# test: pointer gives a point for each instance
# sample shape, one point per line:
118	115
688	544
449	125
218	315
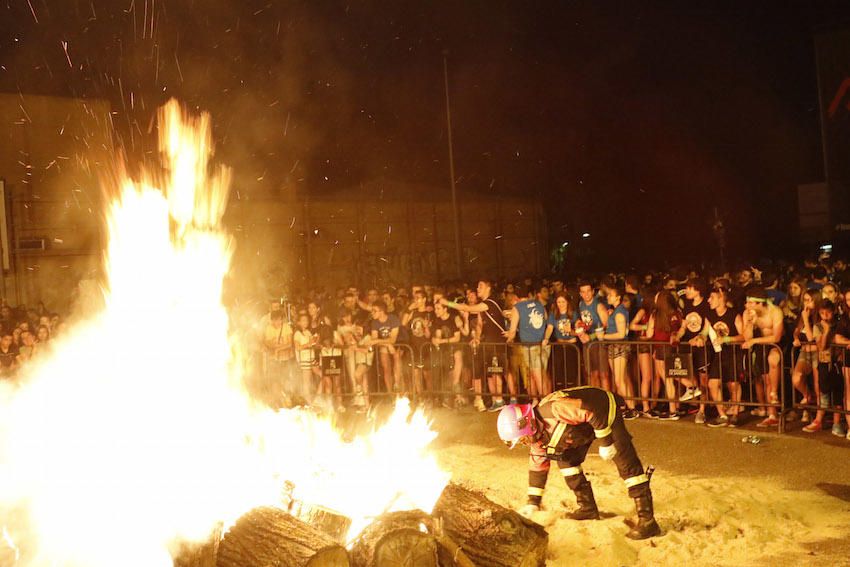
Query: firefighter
561	428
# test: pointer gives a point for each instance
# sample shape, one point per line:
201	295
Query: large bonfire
134	433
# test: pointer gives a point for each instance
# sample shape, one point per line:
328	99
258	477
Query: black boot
586	503
646	526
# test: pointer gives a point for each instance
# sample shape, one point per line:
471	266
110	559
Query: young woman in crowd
663	323
618	354
650	381
827	377
305	353
793	303
842	337
559	331
807	356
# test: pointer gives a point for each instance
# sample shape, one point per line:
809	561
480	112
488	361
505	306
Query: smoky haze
621	120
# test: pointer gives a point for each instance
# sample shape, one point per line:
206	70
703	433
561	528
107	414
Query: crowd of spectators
489	343
25	334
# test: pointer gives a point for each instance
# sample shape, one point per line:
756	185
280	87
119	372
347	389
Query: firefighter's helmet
515	422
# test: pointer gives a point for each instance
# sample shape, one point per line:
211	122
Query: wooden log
488	534
396	539
325	520
269	537
198	554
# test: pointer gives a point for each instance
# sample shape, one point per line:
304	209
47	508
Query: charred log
325	520
397	539
269	537
490	535
197	554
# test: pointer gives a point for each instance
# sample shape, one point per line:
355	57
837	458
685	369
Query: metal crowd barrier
599	359
445	373
839	365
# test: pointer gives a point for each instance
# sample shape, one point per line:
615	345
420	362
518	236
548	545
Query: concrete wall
342	240
52	152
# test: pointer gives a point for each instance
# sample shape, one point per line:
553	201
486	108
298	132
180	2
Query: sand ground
719	501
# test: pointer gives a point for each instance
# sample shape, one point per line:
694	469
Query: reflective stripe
551	447
612	415
534	491
635	480
571	471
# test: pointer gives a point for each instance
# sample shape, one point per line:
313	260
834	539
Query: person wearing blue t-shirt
559	330
618	354
592	316
528	318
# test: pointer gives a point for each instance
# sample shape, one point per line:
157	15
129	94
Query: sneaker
497	405
667	416
760	412
733	420
791	416
719	421
479	405
514	401
848	436
813	427
838	430
769	421
700	418
690	394
806	417
631	414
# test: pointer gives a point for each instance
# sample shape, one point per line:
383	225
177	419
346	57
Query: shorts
660	352
809	358
491	360
596	357
534	357
702	358
758	359
726	365
421	353
618	351
644	349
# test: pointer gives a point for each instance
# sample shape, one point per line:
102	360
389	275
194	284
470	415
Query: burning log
323	519
269	537
198	554
397	538
488	534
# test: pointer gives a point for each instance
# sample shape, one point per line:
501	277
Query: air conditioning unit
31	244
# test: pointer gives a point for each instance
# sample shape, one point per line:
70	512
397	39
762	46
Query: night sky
631	120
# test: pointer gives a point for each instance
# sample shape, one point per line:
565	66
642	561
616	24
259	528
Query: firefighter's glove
528	510
608	453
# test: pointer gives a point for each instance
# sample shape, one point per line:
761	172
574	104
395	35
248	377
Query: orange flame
135	433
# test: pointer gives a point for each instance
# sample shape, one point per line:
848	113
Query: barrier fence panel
645	373
821	383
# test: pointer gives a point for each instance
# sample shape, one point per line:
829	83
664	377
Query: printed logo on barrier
839	97
678	365
495	367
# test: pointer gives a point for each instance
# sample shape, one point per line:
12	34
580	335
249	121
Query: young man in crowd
762	330
592	317
528	319
723	327
418	319
385	331
695	313
447	356
278	346
492	331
